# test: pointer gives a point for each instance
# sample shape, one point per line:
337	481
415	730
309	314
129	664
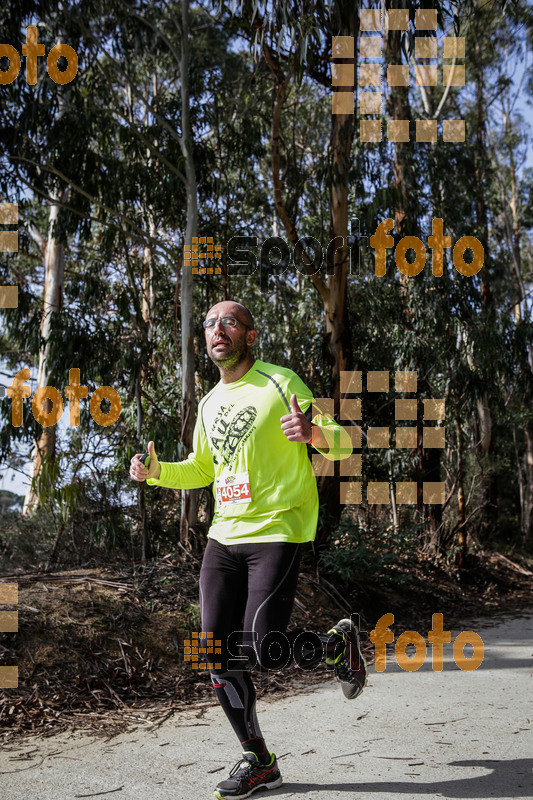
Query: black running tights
246	597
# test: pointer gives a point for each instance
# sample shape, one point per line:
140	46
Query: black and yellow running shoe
350	665
247	776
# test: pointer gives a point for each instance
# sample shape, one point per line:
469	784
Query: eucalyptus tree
38	122
508	139
127	158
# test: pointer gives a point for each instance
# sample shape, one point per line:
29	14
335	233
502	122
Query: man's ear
251	336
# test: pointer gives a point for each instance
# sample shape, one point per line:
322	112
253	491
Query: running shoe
350	666
247	776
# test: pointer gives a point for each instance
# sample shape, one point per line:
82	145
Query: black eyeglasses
226	322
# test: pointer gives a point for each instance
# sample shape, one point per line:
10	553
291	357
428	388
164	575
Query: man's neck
236	373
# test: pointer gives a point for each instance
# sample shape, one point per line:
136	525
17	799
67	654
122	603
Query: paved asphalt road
411	735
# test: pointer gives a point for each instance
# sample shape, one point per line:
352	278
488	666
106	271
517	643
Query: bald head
231	308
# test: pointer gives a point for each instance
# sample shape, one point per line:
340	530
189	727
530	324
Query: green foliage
354	551
193	616
61	501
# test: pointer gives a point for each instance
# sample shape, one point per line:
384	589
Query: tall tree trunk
337	335
141	498
147	308
406	216
399	109
188	404
527	530
333	291
486	439
52	303
462	533
514	235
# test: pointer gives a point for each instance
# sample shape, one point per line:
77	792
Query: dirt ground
101	650
415	735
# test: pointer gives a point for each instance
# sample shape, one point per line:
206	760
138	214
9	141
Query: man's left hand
295	425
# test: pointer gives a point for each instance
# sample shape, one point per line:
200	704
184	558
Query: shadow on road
506	779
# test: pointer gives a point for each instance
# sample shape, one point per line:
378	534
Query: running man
250	440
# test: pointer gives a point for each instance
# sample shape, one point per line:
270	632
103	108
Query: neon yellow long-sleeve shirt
265	489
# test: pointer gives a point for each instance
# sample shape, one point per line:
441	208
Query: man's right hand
138	472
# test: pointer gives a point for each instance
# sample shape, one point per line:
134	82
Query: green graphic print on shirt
238	431
230	431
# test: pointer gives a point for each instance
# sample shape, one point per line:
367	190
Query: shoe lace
239	771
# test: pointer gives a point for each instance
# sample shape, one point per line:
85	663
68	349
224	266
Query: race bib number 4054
233	488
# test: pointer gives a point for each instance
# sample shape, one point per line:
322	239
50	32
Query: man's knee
271	653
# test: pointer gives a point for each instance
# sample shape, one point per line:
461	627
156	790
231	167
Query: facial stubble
239	353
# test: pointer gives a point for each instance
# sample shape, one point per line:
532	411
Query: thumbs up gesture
150	469
295	425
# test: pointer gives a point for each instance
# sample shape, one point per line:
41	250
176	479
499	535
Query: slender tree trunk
399	109
515	237
188	404
486	439
147	307
462	534
52	303
406	216
527	536
53	255
146	550
394	508
337	334
526	493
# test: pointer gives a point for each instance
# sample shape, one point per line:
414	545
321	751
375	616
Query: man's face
226	346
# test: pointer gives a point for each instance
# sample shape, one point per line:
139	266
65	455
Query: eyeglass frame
217	319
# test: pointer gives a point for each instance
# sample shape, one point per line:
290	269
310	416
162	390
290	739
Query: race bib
233	488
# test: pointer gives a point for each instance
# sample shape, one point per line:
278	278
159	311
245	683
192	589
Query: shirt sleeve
196	471
338	439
